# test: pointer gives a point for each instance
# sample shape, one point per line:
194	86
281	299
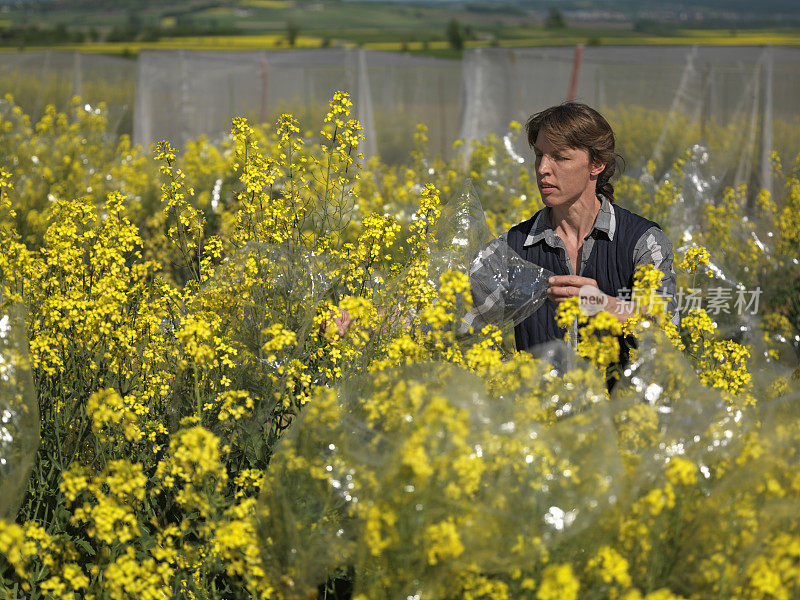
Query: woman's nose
543	165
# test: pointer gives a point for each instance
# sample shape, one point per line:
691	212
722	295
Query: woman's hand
341	323
563	287
593	299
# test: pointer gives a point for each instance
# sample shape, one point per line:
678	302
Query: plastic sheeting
260	282
370	475
505	288
19	413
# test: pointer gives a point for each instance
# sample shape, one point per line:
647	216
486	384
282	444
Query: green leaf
85	546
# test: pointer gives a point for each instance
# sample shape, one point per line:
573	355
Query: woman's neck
575	221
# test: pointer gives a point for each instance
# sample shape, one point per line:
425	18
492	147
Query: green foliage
292	31
455	35
554	20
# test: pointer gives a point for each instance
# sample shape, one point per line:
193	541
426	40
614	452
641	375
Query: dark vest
610	264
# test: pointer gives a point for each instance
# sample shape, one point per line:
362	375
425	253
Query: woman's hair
576	125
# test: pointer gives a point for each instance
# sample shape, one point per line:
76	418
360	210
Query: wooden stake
577	59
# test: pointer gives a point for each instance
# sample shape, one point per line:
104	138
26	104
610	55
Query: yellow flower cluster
278	338
721	363
20	545
558	582
108	410
195	460
693	258
234	404
598	335
108	511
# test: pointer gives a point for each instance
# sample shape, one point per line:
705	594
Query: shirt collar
605	222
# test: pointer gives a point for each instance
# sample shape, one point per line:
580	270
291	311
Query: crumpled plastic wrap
506	288
411	473
19	412
683	417
260	283
408	476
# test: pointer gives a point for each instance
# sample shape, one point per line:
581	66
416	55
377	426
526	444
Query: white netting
661	100
37	79
184	94
674	97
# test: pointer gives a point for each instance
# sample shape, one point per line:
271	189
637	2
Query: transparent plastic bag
669	413
19	412
506	288
409	475
262	283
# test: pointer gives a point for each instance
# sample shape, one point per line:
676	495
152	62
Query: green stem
197	391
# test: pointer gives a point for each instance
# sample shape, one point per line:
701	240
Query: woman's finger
560	291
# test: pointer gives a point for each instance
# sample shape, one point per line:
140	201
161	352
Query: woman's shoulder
630	218
519	233
525	226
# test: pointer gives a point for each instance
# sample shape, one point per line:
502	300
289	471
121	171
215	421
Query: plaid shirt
501	294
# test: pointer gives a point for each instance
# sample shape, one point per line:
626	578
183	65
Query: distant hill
762	9
668	10
437	27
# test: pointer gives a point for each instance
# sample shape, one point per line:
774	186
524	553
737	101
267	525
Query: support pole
77	79
264	89
364	106
766	123
442	116
705	89
577	59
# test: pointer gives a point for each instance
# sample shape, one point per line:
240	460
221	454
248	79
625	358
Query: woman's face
564	175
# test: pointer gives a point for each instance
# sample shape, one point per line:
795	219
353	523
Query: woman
591	245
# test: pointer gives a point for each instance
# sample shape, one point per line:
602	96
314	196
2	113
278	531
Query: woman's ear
597	168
